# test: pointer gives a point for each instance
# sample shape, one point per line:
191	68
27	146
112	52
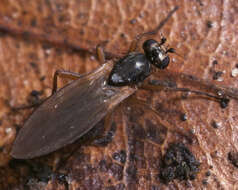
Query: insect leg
109	130
64	74
222	100
134	43
22	107
58	73
100	54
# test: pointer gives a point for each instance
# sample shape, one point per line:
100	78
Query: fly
76	108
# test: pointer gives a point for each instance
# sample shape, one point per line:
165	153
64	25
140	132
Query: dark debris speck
224	102
215	62
33	22
183	117
209	24
62	178
35	93
122	35
133	21
233	158
42	78
200	2
178	163
120	156
204	182
208	173
217	75
33	64
46	46
214	124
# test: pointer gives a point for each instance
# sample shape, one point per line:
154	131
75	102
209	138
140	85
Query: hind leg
223	101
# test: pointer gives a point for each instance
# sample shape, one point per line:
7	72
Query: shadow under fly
75	109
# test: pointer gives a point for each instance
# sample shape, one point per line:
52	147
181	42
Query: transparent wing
69	114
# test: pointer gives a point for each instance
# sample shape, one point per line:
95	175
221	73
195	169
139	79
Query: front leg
75	76
136	40
64	74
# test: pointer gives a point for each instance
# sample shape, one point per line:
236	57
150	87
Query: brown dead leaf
38	37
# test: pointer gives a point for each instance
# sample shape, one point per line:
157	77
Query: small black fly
86	101
75	109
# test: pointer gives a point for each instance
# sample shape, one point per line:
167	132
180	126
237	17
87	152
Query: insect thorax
131	69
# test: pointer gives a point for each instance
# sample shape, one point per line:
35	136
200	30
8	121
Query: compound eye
165	62
162	64
148	45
